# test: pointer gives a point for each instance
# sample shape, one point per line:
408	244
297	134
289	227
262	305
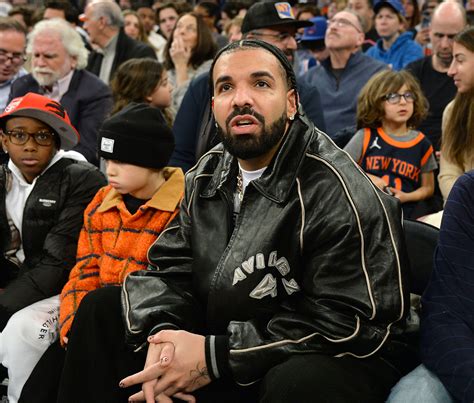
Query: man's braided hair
257	44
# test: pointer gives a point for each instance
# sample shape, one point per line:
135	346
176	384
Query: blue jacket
447	323
339	97
403	51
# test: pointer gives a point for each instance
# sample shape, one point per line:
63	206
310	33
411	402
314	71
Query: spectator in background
125	4
60	9
24	14
229	11
148	17
457	143
448	20
422	31
306	13
397	158
342	75
58	61
313	50
395	47
142	81
188	53
210	14
233	29
12	56
63	9
184	7
364	8
412	14
103	22
133	26
167	15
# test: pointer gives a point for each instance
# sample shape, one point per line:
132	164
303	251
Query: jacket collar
72	90
278	179
353	60
165	199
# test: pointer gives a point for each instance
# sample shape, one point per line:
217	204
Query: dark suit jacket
88	101
127	48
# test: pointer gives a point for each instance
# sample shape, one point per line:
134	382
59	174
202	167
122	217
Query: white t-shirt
247	177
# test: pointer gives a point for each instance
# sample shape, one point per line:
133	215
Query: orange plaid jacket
114	243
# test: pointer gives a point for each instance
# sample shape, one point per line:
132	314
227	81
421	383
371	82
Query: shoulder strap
365	144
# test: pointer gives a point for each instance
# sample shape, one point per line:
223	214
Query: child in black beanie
120	224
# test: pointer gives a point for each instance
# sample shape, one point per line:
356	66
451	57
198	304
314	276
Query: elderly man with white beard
58	60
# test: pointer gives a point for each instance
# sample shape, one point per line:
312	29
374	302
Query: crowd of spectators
388	82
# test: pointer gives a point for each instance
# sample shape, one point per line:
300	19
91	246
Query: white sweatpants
27	335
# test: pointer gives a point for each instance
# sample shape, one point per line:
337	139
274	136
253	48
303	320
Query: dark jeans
97	359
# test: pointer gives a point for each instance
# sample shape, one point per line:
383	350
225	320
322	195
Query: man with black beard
300	298
272	22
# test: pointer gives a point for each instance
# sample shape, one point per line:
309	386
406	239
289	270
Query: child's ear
3	138
149	98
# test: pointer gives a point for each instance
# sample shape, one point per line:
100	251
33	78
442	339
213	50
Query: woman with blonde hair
457	142
133	26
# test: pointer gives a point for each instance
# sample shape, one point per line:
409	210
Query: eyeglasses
281	37
20	137
343	23
15	58
394	97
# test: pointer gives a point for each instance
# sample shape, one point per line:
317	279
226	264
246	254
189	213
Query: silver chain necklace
240	186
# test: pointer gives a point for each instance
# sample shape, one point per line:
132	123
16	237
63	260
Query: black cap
137	135
267	15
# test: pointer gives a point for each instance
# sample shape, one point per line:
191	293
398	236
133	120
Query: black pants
97	359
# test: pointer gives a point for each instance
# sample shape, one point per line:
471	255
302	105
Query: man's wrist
217	356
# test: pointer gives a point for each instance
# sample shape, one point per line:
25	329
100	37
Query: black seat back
421	240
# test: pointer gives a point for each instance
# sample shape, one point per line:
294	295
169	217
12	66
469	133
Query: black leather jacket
315	262
52	220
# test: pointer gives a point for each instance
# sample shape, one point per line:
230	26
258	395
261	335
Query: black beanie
137	135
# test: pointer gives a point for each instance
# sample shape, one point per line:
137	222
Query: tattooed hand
184	372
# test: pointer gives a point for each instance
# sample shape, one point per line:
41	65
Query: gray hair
109	10
362	22
70	39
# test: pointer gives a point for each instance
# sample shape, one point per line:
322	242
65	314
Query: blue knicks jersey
398	163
